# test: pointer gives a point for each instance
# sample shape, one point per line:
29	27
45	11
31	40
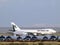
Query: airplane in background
18	31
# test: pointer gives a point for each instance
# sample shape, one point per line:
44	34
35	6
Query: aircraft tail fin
15	27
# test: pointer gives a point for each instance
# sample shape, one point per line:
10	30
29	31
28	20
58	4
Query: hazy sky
29	12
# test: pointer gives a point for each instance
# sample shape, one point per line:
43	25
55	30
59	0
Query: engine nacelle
35	33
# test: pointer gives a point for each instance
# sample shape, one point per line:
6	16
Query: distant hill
46	25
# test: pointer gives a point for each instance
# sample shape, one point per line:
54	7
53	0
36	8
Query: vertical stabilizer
15	27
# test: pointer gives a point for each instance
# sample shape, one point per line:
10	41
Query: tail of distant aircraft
15	27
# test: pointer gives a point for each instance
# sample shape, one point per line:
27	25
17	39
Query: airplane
18	31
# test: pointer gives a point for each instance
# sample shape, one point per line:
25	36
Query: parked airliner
19	31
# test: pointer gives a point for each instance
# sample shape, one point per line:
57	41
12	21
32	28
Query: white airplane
18	31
